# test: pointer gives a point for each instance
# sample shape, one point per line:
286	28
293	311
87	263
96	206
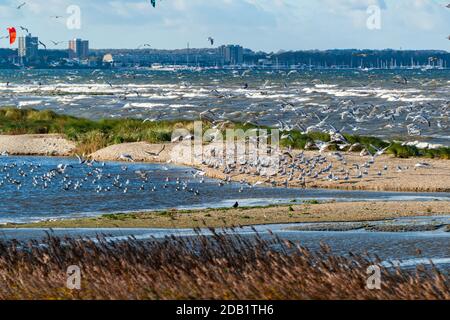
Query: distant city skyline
267	25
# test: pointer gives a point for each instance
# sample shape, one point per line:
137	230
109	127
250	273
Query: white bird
126	157
380	152
422	165
257	183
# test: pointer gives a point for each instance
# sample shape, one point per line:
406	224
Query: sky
268	25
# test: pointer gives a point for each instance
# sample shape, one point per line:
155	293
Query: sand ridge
286	214
36	144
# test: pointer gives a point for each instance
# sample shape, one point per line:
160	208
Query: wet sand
295	213
436	178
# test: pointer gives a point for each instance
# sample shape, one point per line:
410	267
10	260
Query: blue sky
268	25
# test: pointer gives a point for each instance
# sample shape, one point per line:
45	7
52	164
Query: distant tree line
361	58
348	58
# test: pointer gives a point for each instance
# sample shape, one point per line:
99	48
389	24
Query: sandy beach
36	144
435	178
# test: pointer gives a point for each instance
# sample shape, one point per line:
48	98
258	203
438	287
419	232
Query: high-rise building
28	48
79	49
232	54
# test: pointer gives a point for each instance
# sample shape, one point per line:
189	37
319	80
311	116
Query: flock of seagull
92	176
289	168
415	118
280	167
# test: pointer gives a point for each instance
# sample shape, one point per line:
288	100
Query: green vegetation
311	202
93	135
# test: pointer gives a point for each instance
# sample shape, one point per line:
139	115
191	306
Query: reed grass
221	266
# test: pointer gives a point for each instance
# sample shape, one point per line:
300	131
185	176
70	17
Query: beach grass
90	135
223	266
93	135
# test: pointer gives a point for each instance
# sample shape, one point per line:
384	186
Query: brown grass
217	267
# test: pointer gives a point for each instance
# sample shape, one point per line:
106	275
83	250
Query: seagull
156	154
42	44
380	152
80	159
56	42
245	73
126	157
199	173
211	40
144	45
257	183
24	29
21	5
420	119
400	80
422	165
158	117
142	174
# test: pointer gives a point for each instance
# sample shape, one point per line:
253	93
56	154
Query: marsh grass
221	266
93	135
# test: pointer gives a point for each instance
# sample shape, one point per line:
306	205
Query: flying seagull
21	5
144	45
43	44
156	154
126	157
24	29
211	40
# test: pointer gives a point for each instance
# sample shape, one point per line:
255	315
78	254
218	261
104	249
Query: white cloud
260	24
